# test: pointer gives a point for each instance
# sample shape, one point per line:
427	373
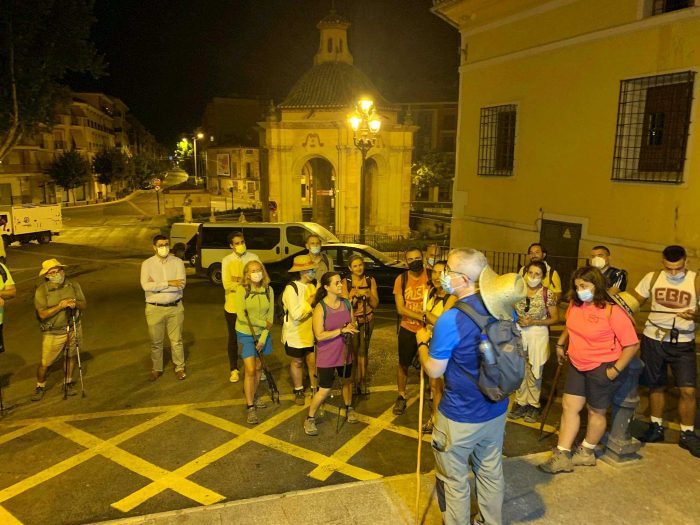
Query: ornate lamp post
196	136
365	125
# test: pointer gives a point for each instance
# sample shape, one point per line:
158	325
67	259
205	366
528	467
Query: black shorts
408	346
327	375
657	356
594	385
299	353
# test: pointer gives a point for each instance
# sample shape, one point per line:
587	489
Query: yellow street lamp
365	124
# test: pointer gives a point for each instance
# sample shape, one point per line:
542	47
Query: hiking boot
155	374
532	415
310	426
691	442
259	403
235	376
70	389
560	461
299	398
252	418
399	406
654	433
583	457
180	375
350	415
518	411
39	393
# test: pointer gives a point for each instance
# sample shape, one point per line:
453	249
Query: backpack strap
480	320
294	286
655	277
697	287
3	272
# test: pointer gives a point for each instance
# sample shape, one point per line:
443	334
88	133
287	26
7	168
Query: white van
207	243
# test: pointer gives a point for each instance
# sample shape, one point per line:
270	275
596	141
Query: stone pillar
621	447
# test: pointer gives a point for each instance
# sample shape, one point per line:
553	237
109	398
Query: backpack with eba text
499	380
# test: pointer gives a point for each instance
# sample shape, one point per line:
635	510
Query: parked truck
30	222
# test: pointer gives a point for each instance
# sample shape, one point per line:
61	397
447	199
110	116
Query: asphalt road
132	447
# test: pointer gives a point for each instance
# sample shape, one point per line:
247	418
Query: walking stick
346	339
66	357
365	391
77	353
420	443
550	399
271	385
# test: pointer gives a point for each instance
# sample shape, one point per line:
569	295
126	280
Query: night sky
168	58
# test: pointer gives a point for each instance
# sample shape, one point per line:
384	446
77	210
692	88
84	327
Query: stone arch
377	188
317	176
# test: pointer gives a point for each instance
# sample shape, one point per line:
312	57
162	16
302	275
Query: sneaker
70	389
583	457
263	377
400	406
560	461
654	433
39	393
532	415
428	427
310	426
252	418
518	411
180	375
259	403
691	442
350	415
235	376
299	398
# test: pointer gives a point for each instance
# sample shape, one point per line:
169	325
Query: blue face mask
446	283
585	295
675	279
311	274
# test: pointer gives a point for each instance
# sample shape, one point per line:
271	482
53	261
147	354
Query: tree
110	165
70	170
433	169
184	153
40	42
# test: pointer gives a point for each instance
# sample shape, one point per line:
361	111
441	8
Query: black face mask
415	266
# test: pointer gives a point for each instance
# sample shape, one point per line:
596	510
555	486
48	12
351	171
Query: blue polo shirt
456	337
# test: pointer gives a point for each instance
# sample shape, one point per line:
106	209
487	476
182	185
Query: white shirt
155	274
297	328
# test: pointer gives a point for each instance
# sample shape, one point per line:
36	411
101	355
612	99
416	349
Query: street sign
328	193
156	184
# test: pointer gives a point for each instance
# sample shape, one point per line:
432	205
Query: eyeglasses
447	270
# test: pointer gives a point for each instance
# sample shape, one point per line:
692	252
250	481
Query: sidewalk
659	489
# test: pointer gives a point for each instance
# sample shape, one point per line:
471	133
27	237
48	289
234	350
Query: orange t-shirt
597	335
412	297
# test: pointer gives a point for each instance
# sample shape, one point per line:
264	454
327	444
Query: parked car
377	264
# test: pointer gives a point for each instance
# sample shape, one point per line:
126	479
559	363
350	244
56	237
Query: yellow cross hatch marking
8	519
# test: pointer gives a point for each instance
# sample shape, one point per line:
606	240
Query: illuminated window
497	140
652	128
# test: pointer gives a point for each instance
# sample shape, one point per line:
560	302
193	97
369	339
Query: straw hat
627	302
302	263
501	292
50	264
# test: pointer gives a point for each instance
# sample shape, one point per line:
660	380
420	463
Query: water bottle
486	350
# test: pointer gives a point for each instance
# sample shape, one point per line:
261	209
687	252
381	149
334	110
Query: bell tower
333	46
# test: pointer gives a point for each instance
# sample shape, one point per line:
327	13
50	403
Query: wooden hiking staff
420	423
552	392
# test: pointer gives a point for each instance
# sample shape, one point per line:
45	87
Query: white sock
586	444
685	428
563	449
657	420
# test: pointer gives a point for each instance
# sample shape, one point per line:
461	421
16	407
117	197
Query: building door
5	194
561	239
322	185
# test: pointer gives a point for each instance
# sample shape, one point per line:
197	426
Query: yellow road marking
8	519
358	442
19	433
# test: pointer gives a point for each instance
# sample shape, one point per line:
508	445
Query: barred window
652	128
497	140
666	6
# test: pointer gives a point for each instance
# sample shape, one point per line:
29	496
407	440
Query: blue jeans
454	445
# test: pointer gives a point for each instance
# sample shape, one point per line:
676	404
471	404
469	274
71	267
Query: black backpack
281	313
499	380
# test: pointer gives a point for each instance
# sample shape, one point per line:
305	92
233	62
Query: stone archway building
311	123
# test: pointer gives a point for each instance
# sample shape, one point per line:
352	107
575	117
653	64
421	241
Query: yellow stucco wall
567	96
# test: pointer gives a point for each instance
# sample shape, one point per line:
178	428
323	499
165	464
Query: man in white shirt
323	263
231	275
163	281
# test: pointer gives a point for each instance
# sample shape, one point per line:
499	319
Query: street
132	447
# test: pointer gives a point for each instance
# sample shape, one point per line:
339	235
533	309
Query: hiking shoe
259	403
235	376
299	398
691	442
155	374
310	426
400	406
518	411
654	433
532	415
180	375
252	418
263	377
39	393
70	389
560	461
583	457
350	415
428	427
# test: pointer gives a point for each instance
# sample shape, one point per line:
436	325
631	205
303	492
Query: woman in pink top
332	322
601	342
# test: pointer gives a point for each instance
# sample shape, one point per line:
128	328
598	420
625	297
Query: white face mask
598	262
163	251
256	277
533	282
315	250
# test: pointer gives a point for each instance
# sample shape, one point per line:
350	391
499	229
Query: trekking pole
271	385
550	399
77	353
420	444
346	339
66	357
365	390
